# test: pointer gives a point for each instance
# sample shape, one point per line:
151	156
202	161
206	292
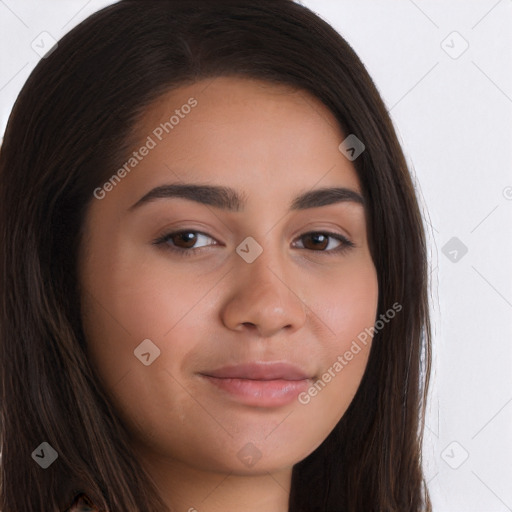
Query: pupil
188	238
316	238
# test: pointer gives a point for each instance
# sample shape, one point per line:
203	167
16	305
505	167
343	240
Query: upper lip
259	371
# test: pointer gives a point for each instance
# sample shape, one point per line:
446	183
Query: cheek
128	304
348	309
128	301
351	298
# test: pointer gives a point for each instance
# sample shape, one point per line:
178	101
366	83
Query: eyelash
345	245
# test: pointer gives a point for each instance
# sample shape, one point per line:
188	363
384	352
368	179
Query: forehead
244	133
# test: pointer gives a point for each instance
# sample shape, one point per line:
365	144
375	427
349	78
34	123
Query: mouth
260	384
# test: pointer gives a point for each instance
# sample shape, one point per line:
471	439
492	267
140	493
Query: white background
453	112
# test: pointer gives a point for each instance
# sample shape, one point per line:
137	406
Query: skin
295	302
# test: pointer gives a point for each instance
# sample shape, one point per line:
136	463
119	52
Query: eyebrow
229	199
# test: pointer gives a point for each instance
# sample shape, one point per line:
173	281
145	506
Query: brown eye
320	241
183	242
317	241
184	239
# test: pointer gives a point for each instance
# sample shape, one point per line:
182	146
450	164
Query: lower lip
261	393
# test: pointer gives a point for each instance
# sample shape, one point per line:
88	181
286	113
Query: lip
260	384
260	371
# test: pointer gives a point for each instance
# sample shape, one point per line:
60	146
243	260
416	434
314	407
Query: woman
280	365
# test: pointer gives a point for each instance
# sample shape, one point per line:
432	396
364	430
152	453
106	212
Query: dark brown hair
70	127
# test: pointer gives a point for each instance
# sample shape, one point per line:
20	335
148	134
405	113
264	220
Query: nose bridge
259	274
266	264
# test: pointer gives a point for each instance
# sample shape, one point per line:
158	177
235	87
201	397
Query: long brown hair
70	127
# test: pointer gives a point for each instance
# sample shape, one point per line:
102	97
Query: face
222	322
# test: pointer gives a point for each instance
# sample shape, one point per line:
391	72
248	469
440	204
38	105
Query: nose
263	298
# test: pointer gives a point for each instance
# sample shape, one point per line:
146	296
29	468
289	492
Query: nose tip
262	301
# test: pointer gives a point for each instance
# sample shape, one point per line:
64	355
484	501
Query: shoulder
82	504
